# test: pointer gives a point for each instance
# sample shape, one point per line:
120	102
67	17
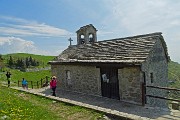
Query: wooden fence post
41	82
46	79
37	84
32	84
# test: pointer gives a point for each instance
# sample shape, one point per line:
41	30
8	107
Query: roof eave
105	61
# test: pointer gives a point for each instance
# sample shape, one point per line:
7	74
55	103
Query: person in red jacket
53	84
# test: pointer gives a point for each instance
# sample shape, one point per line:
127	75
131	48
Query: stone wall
156	65
130	84
85	79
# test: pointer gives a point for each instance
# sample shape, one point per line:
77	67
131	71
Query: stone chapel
114	68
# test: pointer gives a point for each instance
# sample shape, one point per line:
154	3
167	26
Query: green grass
16	105
30	76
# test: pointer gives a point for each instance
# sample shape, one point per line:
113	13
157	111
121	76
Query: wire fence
36	84
172	95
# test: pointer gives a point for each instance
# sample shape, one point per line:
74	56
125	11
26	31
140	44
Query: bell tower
86	34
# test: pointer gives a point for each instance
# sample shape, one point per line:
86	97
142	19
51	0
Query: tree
2	65
18	63
27	62
33	63
11	62
30	60
23	65
1	58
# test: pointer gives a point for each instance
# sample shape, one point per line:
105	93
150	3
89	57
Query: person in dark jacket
8	75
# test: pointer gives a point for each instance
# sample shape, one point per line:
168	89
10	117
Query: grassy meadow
16	105
30	76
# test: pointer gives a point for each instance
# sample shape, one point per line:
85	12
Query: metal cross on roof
70	41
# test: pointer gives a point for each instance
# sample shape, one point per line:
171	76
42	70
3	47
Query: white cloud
142	16
14	19
134	17
18	45
21	27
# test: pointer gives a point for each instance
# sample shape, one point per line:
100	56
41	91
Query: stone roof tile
121	50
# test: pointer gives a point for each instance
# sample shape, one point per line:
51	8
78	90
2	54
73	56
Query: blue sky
44	26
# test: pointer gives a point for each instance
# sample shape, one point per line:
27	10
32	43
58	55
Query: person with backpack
53	84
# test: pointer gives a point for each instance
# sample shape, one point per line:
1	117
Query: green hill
174	74
41	58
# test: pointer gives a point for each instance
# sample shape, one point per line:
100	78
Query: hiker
53	84
8	75
24	84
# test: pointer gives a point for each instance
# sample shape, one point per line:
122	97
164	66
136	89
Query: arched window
91	38
68	78
82	39
68	75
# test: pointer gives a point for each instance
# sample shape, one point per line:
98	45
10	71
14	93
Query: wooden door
109	82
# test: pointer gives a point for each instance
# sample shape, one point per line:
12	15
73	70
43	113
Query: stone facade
156	74
87	79
130	84
83	79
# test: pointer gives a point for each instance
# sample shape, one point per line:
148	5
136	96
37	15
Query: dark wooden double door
109	82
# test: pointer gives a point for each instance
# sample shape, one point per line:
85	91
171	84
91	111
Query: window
68	75
90	38
68	78
151	77
82	39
